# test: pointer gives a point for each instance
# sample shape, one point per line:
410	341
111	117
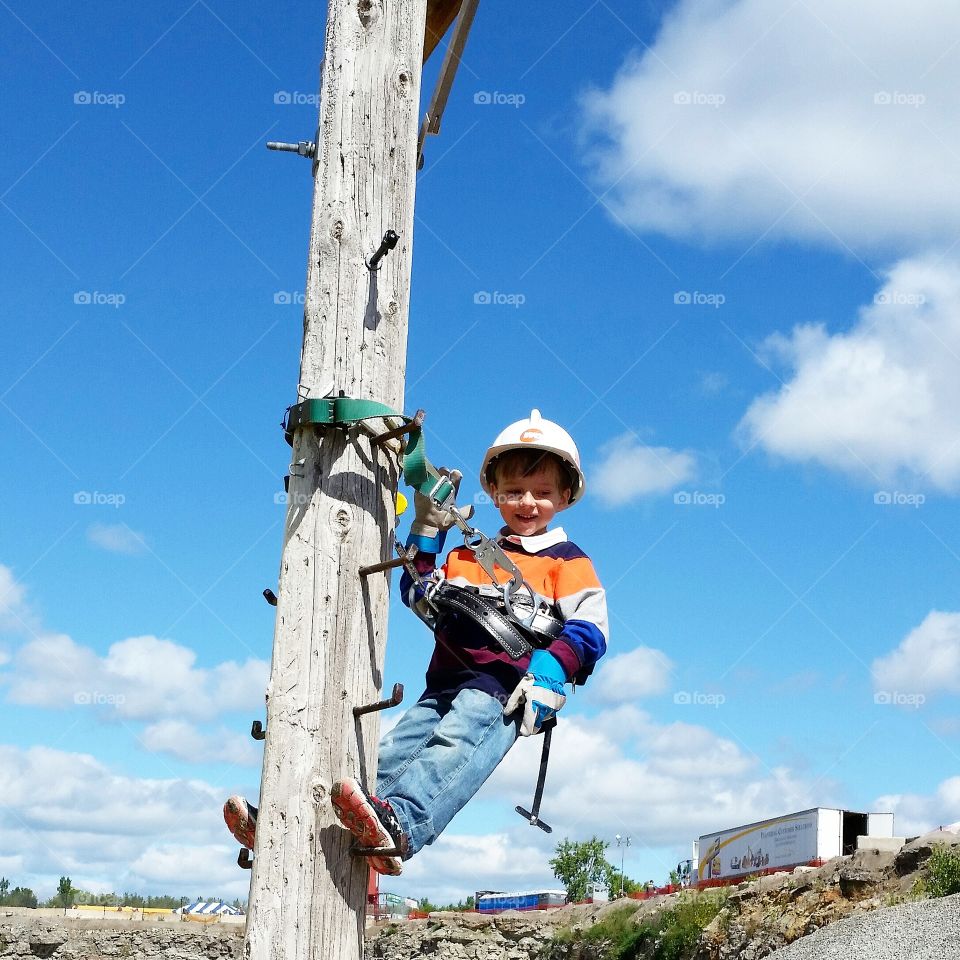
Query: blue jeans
438	756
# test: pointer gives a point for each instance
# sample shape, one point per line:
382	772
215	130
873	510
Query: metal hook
389	241
393	701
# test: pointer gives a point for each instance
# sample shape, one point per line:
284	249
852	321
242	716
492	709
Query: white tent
211	908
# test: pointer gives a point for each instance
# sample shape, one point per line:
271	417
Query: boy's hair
521	463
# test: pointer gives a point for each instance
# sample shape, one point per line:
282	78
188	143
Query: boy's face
527	504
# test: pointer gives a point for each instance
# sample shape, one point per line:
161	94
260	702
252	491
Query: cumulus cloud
617	771
185	741
664	784
823	121
11	592
15	612
459	864
926	661
630	470
68	813
641	672
915	813
116	537
140	678
879	400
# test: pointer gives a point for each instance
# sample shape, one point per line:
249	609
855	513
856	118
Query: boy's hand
540	691
430	519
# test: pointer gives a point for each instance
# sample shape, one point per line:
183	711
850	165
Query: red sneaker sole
354	811
238	823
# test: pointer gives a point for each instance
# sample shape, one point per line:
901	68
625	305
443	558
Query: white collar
549	538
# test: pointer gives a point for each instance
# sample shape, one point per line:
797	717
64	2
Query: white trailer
807	837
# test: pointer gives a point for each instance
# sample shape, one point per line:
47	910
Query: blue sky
721	242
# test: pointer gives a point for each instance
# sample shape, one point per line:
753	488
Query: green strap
418	471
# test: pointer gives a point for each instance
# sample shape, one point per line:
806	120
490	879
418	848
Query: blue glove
540	691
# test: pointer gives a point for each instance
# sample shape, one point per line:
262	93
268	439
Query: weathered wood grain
307	893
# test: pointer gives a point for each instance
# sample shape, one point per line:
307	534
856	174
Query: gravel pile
925	930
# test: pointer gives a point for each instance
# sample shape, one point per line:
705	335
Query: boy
478	699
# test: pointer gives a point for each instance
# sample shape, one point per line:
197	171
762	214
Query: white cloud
615	772
630	470
458	865
881	399
116	537
11	592
749	118
140	678
915	813
625	677
68	813
15	612
187	742
664	785
926	661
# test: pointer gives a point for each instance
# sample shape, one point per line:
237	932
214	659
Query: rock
918	851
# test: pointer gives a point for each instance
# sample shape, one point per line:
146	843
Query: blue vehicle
492	901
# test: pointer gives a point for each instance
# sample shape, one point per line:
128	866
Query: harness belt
490	614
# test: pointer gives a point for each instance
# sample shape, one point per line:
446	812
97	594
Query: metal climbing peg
406	557
395	700
389	241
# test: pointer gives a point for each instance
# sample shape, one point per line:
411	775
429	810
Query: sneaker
241	819
371	820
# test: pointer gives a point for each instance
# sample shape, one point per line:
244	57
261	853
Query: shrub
680	928
942	872
671	936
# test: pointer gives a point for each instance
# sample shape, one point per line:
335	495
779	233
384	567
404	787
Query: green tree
612	881
65	893
577	864
21	897
4	890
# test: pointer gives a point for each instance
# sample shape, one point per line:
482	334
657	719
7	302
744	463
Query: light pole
623	843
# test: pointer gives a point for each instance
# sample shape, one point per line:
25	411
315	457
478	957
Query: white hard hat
535	433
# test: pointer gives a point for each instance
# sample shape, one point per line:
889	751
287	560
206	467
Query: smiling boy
479	699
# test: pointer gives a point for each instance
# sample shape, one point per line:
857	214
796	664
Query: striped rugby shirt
465	657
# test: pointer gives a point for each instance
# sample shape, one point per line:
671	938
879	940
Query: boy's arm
428	532
425	562
582	603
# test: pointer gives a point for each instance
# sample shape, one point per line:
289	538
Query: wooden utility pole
308	894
